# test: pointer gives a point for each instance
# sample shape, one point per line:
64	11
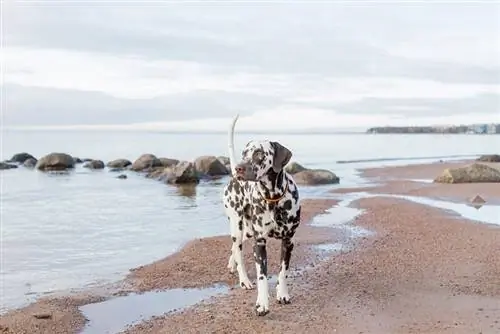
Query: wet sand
424	272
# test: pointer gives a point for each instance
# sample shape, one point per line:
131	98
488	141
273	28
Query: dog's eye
258	156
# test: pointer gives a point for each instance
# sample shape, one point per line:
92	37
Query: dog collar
277	199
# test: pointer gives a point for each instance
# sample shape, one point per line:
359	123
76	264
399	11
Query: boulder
225	160
210	165
21	157
55	161
294	168
313	177
119	163
86	160
94	164
77	160
4	165
489	158
182	173
167	162
146	161
30	163
475	173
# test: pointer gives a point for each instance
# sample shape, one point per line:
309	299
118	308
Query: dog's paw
246	284
283	299
282	295
261	310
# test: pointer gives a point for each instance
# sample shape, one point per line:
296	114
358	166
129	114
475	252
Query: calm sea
88	228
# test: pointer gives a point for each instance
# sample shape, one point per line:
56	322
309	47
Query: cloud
129	64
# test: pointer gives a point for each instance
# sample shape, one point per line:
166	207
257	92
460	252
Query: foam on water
114	315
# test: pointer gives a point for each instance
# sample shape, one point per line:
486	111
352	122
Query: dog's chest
274	219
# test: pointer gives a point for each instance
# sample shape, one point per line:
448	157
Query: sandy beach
422	271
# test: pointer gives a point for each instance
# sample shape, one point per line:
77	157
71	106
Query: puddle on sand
422	180
114	315
487	213
341	216
332	248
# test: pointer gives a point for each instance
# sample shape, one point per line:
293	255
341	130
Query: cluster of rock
167	170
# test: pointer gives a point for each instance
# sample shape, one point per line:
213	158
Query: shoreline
187	268
181	269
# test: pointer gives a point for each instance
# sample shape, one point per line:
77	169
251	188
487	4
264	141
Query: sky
291	65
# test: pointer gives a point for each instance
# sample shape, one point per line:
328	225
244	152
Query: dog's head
261	157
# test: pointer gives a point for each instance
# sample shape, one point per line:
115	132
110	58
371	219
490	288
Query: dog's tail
232	158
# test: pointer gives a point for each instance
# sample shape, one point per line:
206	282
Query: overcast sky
280	65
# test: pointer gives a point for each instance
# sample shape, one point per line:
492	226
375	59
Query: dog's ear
282	156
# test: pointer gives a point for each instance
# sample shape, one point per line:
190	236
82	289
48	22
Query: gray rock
4	166
224	160
294	167
121	176
168	162
77	160
119	163
182	173
210	165
94	164
30	163
316	177
21	157
146	162
55	162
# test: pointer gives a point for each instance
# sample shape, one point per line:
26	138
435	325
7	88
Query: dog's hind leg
282	287
236	258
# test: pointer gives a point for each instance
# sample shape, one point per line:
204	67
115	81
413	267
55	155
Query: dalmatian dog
261	201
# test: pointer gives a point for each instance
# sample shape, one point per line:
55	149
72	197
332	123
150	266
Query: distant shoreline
296	133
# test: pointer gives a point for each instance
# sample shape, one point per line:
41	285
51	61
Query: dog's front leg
282	287
260	255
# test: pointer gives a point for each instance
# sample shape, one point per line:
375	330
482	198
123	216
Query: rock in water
294	168
30	163
168	162
146	161
475	173
4	165
55	161
21	157
94	164
210	165
478	200
119	163
183	173
316	177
